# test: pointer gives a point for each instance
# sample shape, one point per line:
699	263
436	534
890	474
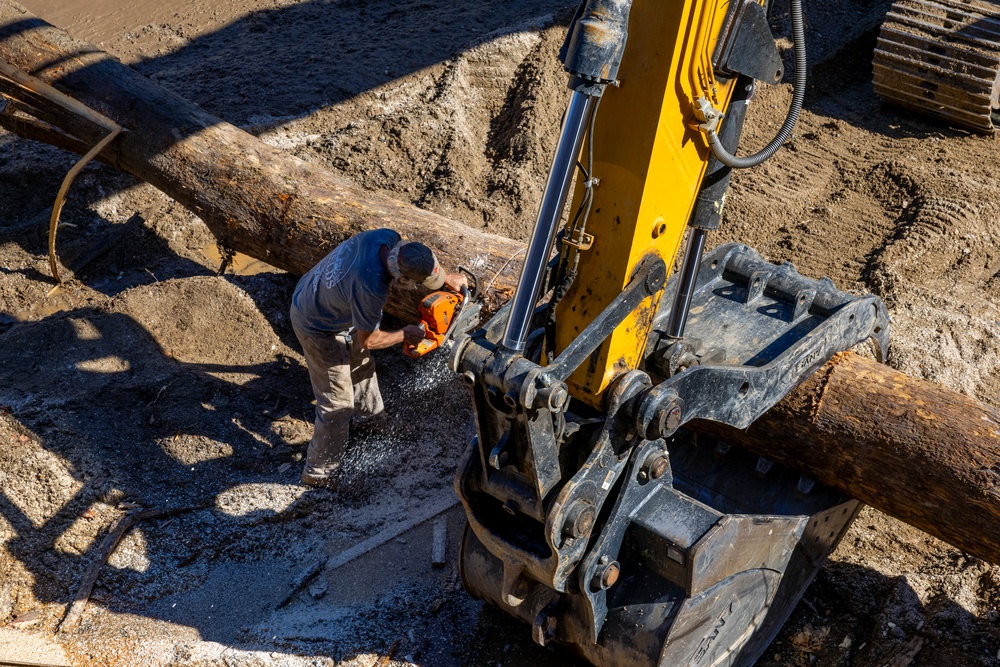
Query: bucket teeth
942	58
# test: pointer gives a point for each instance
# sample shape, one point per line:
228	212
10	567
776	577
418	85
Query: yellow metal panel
650	159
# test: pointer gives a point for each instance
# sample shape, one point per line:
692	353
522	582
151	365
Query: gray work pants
343	381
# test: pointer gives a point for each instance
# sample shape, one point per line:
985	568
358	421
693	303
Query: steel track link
942	58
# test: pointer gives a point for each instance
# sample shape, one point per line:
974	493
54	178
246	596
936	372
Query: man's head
415	262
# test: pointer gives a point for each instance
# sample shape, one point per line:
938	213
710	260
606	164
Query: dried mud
150	380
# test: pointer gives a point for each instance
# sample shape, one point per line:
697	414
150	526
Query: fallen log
912	449
256	199
921	453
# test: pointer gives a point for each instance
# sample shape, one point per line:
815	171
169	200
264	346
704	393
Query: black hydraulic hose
798	94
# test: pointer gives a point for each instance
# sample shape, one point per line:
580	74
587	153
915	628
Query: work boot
328	482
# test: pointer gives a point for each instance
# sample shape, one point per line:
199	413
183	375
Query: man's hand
413	334
380	340
456	281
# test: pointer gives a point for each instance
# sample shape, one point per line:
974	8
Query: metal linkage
770	328
521	421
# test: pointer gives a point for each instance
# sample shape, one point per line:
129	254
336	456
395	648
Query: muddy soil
150	380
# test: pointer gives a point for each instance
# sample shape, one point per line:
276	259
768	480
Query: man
336	311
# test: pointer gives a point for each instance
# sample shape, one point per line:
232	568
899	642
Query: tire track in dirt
936	273
813	203
469	137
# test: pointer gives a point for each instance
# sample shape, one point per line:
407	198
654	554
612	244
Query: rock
318	589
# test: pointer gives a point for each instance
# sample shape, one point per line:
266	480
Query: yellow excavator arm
650	159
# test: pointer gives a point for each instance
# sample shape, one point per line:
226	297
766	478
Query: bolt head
674	418
558	397
579	519
610	576
583	523
666	420
607	575
658	467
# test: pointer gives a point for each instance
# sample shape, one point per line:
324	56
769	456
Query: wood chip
440	543
27	619
908	654
389	655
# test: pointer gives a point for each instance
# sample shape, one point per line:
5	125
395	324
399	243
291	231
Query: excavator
595	515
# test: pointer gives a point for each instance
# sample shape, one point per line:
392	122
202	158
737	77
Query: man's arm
379	340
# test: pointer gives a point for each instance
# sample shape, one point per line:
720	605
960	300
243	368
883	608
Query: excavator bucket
709	568
701	550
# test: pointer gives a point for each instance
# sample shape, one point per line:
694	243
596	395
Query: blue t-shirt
348	288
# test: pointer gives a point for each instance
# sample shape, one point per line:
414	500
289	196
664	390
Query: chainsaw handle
474	279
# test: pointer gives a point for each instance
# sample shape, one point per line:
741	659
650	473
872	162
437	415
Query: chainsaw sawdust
150	381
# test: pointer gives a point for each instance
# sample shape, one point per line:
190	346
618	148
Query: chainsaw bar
942	58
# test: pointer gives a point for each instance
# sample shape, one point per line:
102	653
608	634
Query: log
919	452
256	199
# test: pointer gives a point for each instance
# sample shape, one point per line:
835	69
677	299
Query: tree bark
255	199
921	453
912	449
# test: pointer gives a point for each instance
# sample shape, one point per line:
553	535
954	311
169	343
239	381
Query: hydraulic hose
798	95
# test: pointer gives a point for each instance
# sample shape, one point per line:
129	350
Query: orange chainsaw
445	314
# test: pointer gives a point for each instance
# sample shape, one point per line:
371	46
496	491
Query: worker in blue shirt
336	312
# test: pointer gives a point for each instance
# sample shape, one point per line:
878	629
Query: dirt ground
151	381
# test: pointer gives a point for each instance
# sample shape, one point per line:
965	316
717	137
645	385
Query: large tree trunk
255	199
919	452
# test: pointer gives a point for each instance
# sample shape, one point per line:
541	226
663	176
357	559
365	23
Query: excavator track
942	58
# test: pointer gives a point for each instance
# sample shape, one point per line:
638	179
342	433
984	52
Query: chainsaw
444	315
